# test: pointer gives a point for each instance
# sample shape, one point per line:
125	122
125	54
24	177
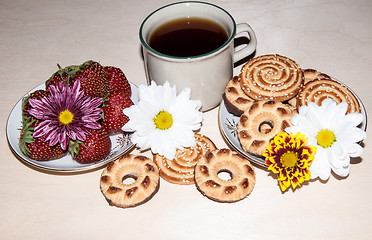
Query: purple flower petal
85	111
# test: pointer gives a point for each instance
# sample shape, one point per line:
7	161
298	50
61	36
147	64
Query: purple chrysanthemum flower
66	114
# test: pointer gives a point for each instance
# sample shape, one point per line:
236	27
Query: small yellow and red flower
289	158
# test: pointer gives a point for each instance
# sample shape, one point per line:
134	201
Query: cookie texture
312	74
129	181
271	77
259	124
239	183
180	170
235	99
320	89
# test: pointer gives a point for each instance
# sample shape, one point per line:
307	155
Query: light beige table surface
334	37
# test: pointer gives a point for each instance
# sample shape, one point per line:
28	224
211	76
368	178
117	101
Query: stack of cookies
269	90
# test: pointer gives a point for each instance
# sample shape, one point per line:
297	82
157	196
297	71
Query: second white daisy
162	120
334	133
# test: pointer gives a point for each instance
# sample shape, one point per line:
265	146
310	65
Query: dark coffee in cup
200	60
188	37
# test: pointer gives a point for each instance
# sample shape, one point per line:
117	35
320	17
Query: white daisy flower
162	120
333	132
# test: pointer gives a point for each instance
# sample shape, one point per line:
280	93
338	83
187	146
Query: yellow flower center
66	117
163	120
289	159
325	138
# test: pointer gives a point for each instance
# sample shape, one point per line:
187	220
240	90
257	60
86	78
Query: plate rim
262	164
84	167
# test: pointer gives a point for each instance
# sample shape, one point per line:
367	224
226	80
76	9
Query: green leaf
74	147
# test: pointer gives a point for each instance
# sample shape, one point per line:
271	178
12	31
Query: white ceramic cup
206	75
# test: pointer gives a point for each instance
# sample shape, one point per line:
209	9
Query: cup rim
147	46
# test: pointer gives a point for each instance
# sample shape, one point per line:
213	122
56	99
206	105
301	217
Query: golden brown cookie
180	170
145	181
271	77
312	74
259	124
320	89
235	187
235	99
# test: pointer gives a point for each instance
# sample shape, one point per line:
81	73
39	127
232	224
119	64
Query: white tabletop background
334	37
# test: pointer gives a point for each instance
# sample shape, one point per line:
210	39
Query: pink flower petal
85	111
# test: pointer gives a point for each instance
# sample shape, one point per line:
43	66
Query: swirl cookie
259	124
271	77
318	90
241	173
141	170
180	170
309	75
235	99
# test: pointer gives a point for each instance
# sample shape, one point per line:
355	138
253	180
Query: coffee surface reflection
188	37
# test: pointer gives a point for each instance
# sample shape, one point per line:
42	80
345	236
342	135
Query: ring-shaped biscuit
312	74
241	179
259	124
145	181
235	99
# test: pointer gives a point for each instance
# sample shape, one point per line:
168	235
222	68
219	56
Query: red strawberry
91	75
113	116
38	94
36	148
117	80
92	78
96	147
62	75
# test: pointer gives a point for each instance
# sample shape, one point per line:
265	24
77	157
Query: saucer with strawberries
72	122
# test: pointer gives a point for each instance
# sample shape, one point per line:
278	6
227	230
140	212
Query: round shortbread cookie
271	77
180	170
239	183
141	170
318	90
309	75
235	99
259	124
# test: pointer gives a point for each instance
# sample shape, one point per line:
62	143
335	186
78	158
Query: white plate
228	127
120	143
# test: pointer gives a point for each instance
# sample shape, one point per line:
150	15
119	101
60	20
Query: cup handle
251	47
